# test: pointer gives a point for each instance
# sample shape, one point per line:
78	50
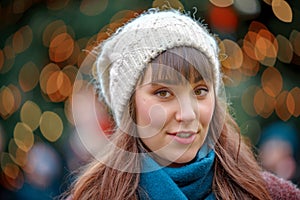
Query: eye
201	91
163	93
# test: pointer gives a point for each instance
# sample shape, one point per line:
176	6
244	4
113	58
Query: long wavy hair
237	175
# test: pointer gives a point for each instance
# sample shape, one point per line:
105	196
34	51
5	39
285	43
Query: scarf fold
192	181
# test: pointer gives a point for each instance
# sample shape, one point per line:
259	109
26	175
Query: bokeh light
29	76
23	136
68	111
272	81
7	102
282	10
12	174
266	47
17	96
57	5
249	67
61	47
16	154
162	4
47	71
282	105
221	3
295	41
285	49
223	19
295	94
123	16
51	126
232	77
249	8
44	167
30	114
234	54
22	39
9	59
58	86
260	44
263	103
92	7
52	30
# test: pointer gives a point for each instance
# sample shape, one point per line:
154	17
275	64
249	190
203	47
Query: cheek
150	116
206	112
142	112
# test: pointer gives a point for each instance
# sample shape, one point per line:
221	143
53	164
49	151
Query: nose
187	109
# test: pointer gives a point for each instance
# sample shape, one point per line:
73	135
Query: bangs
181	64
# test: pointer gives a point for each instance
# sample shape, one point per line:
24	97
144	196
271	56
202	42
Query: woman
174	137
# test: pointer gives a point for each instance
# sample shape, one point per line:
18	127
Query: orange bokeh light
234	55
249	44
295	41
281	106
47	71
263	103
22	39
124	16
272	81
256	26
7	102
233	77
17	96
250	67
266	47
295	95
59	86
282	10
8	60
285	49
61	47
52	30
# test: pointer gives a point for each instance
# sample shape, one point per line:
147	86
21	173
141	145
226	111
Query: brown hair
237	175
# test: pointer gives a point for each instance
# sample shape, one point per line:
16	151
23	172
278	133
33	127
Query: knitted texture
193	181
281	189
124	56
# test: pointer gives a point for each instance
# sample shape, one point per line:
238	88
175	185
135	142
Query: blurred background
43	48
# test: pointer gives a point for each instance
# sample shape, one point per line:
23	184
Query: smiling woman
174	105
174	137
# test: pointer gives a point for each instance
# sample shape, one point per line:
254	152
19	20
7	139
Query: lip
183	137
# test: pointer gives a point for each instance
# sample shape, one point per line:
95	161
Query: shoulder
280	188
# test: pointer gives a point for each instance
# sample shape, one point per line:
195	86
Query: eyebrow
171	81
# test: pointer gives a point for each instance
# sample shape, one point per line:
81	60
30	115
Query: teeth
184	135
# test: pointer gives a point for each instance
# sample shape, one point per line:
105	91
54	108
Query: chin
184	158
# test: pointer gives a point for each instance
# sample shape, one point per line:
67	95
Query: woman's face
173	118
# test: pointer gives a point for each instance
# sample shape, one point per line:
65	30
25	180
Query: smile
183	137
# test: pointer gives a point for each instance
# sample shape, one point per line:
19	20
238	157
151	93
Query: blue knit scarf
192	181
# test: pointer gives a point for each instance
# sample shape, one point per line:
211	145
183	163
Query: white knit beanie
126	53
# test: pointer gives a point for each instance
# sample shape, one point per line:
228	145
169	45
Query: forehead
178	65
157	73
